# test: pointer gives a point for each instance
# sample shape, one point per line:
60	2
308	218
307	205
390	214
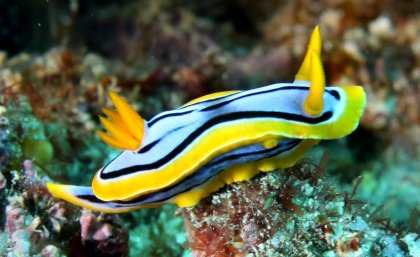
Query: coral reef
35	224
33	221
292	213
55	73
100	236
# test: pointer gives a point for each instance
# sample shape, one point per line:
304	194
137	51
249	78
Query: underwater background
357	196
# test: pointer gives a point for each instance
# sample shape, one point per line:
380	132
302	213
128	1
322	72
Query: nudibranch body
183	155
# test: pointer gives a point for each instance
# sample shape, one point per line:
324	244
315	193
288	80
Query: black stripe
266	150
209	124
151	122
218	105
143	198
148	147
279	149
333	93
91	198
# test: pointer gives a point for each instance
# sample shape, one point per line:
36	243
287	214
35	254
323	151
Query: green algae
41	151
157	232
47	143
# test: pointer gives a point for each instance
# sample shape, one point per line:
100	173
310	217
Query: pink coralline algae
32	218
101	237
36	223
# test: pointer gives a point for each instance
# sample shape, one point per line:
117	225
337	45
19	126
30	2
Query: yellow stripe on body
210	97
224	139
242	172
64	192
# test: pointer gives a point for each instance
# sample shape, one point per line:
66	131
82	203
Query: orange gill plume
125	127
